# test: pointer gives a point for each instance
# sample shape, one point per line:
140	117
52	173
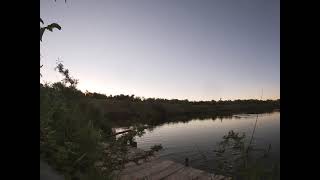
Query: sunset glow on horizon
173	49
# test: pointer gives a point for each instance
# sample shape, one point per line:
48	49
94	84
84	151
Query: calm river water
196	137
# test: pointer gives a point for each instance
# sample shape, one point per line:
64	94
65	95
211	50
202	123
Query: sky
174	49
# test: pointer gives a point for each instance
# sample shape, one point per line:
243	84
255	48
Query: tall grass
238	158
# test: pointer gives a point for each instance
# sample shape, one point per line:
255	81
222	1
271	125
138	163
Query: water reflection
182	139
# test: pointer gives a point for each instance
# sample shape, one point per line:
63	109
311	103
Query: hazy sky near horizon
184	49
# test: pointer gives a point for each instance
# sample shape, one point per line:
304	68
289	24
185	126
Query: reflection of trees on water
240	159
153	123
187	119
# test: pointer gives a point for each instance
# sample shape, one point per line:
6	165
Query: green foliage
234	159
49	27
68	137
125	110
73	131
67	78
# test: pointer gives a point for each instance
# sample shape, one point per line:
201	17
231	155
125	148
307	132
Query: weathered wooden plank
173	168
160	169
146	169
135	168
190	173
154	168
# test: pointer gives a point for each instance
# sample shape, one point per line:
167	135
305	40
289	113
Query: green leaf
52	26
41	33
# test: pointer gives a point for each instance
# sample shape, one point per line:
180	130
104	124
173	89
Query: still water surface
193	138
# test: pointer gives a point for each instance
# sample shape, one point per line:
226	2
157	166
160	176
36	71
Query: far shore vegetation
127	109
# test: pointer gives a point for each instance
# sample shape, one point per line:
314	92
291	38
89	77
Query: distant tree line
129	109
133	98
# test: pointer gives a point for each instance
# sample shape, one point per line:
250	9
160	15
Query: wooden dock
160	169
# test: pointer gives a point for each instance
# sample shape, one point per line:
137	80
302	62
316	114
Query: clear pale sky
183	49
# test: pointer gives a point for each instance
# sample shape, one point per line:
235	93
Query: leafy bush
73	133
